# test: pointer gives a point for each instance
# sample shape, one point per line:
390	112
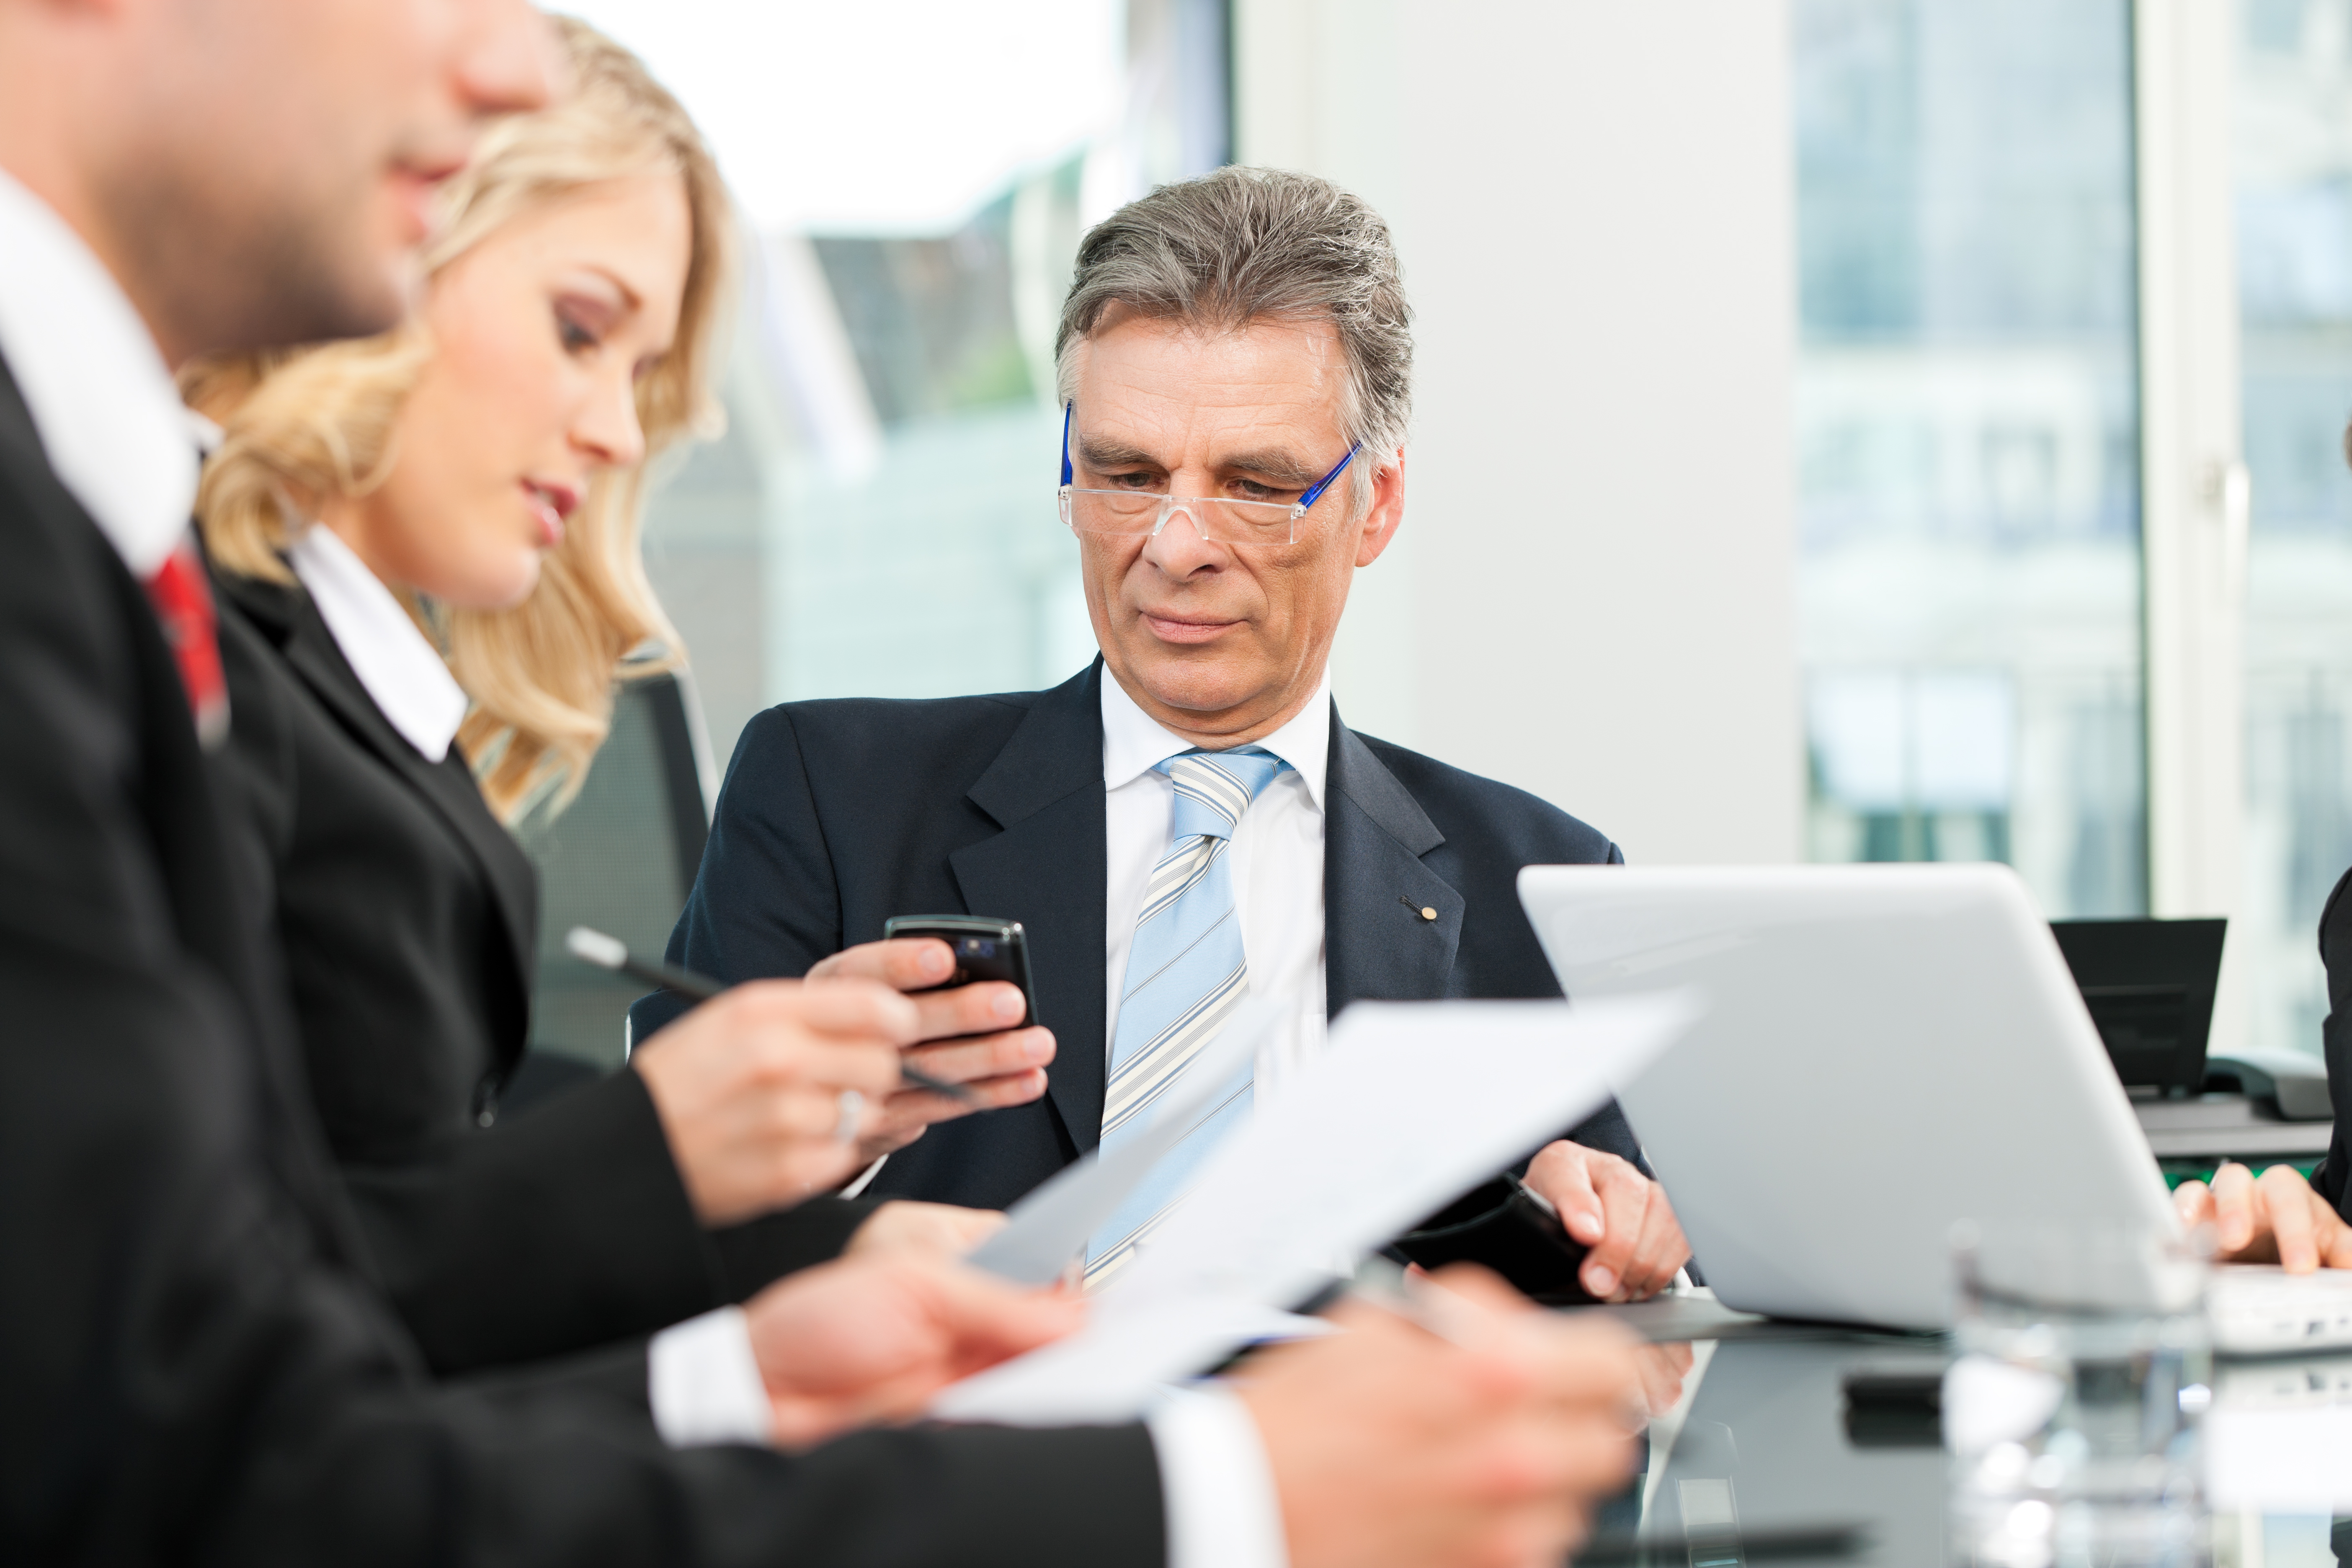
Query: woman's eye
576	338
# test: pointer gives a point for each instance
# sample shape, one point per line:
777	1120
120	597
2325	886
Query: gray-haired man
1187	821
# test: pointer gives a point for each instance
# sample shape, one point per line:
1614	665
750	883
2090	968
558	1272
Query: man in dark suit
193	1364
1234	360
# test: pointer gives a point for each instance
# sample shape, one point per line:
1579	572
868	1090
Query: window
2293	177
1968	439
878	519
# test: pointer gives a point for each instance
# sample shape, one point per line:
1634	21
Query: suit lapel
1376	942
15	416
213	911
1048	869
448	785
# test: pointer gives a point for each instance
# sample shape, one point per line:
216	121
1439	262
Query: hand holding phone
985	948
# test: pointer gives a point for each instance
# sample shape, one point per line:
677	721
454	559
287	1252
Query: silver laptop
1887	1050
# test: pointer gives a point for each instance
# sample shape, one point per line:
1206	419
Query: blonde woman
425	547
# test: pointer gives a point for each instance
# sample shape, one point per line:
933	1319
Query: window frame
2194	493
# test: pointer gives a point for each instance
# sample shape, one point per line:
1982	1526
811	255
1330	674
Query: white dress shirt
403	671
1277	865
1216	1490
110	420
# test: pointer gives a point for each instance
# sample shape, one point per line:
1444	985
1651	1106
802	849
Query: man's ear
1386	513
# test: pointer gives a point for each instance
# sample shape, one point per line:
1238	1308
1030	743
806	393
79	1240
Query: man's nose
1180	547
508	58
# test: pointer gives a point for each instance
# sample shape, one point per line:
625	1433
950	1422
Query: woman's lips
1168	630
550	505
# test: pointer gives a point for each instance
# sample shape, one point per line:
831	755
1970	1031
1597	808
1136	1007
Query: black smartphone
985	948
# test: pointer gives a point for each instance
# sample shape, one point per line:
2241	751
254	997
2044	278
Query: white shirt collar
109	418
1134	742
401	669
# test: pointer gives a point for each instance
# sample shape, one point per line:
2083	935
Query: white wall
1594	594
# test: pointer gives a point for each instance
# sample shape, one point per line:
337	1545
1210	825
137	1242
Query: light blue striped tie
1185	974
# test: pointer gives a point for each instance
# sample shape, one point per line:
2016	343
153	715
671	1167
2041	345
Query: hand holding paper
1393	1446
864	1339
1046	1229
1410	1104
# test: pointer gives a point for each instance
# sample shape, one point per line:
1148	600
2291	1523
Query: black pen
1811	1541
611	953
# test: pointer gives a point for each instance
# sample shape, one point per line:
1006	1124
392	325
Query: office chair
620	858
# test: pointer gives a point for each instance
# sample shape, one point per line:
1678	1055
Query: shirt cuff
1216	1490
705	1385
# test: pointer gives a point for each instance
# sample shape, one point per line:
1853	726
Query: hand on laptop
1620	1215
2276	1218
975	1044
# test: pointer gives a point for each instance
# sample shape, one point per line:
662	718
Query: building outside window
878	518
2293	178
1968	439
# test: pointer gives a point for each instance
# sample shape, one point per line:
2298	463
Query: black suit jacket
408	919
2333	1176
192	1367
836	815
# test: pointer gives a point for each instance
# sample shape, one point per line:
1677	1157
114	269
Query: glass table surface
1796	1443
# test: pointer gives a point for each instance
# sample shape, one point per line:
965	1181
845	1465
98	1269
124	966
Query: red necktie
184	603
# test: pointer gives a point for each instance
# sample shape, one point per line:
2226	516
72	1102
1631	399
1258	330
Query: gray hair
1225	248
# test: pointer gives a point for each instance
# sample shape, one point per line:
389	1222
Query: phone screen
999	952
981	958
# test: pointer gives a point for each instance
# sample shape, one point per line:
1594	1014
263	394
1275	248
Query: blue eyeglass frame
1312	494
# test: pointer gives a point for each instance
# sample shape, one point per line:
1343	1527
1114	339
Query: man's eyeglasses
1220	519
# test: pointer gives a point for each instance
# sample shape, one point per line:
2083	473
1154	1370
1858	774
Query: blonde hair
308	424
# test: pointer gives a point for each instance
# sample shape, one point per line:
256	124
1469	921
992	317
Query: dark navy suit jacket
2333	1176
836	815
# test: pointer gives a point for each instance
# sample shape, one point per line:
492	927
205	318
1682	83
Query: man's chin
342	297
356	282
1194	692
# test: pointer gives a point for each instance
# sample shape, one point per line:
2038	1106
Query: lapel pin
1424	911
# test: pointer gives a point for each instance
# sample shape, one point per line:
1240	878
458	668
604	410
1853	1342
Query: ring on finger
849	1110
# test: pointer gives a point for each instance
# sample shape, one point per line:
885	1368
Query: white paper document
2279	1461
1118	1364
2279	1436
1049	1227
1410	1105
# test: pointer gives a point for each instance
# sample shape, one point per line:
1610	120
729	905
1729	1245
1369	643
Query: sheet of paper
2279	1436
1410	1104
2279	1461
1114	1368
1049	1227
